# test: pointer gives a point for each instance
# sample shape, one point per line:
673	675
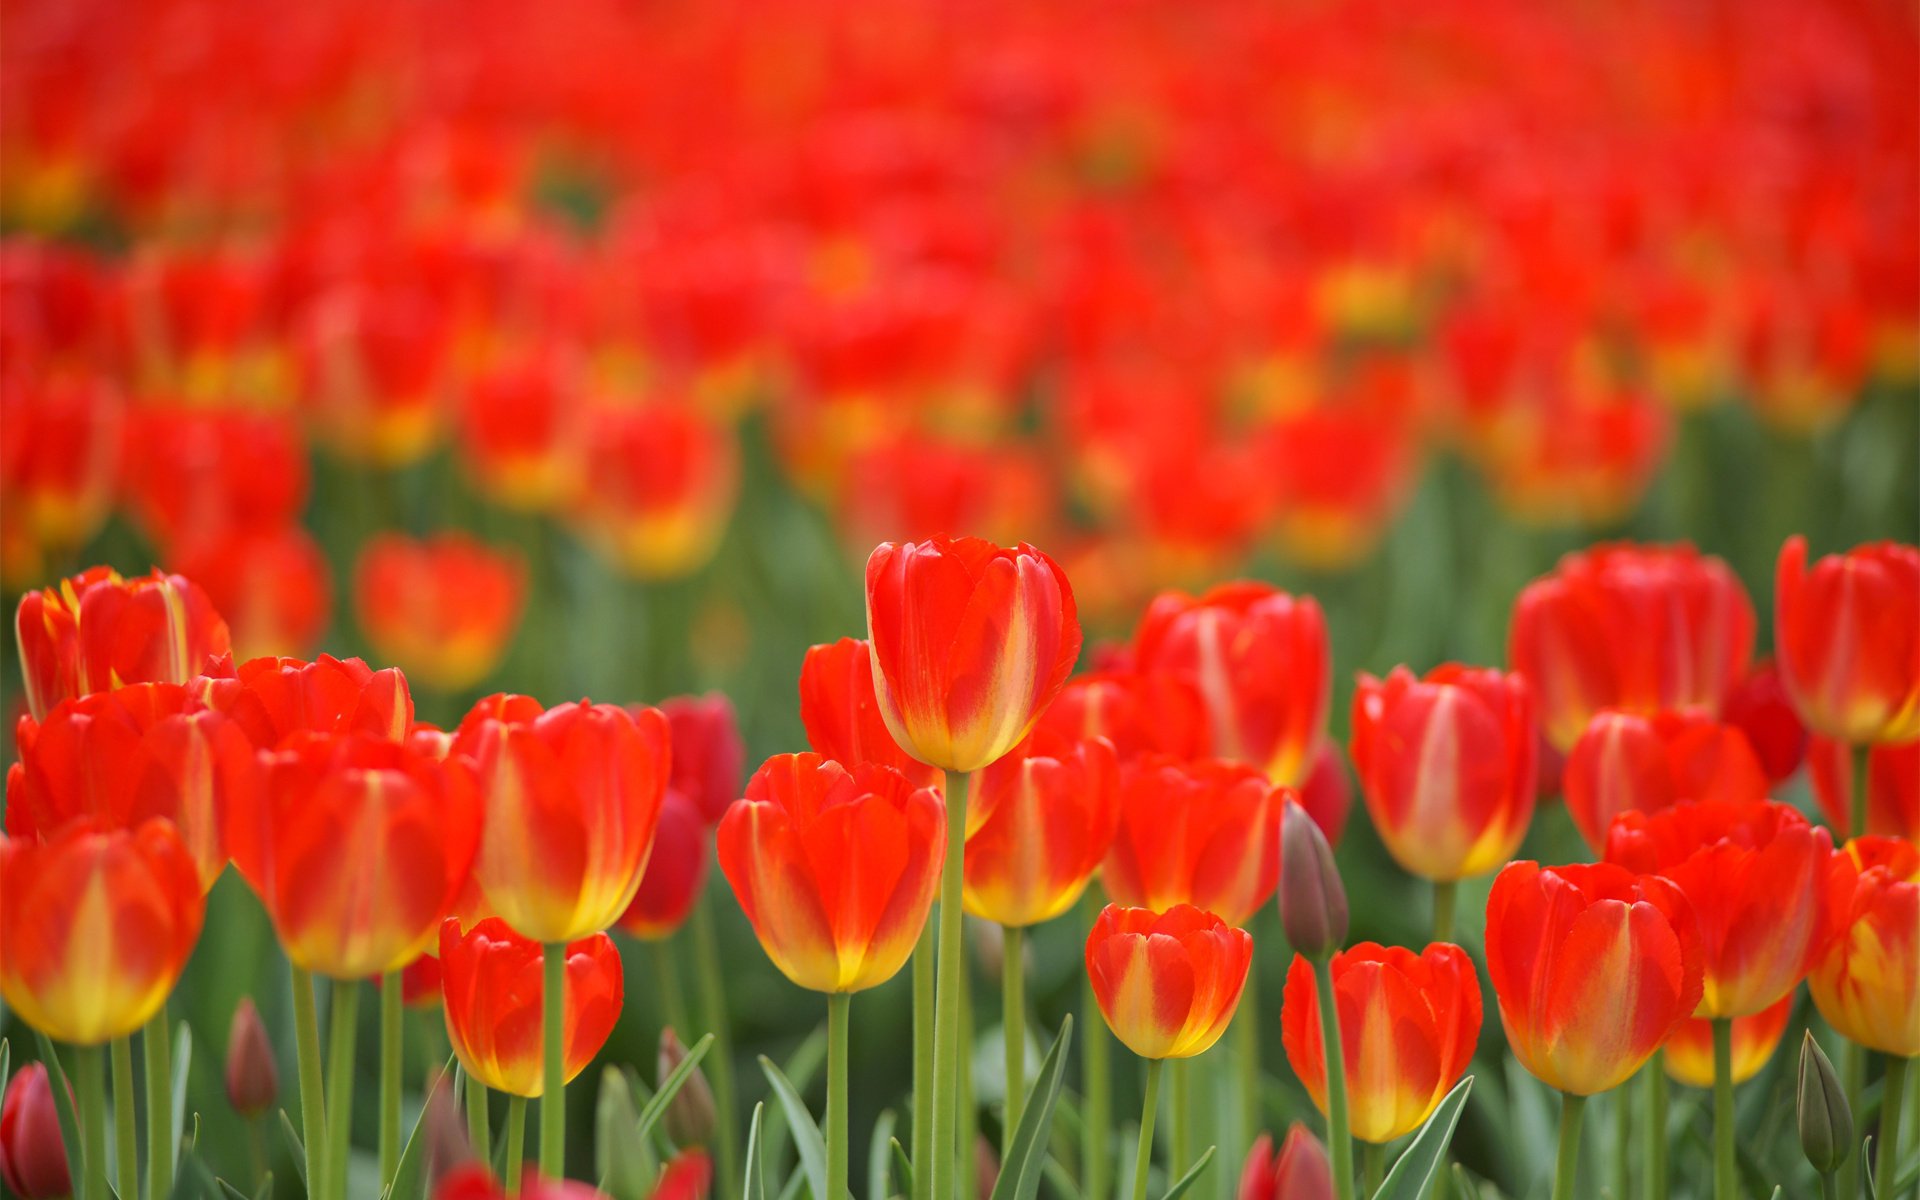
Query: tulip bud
1313	901
1826	1123
253	1081
33	1159
986	1166
691	1116
445	1133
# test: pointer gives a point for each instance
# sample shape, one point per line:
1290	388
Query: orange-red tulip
1204	833
495	1000
273	585
1299	1172
835	867
97	631
274	699
1167	983
1052	807
372	357
572	796
970	642
1689	1052
1638	628
842	714
1627	762
443	608
660	481
203	468
1139	713
357	850
131	754
1866	982
1847	633
1765	888
420	980
1893	787
520	432
708	755
60	450
97	926
1594	967
676	869
1446	765
1408	1024
1259	659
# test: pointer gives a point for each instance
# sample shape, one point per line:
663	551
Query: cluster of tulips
956	758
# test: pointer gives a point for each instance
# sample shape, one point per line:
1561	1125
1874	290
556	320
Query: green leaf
1064	1186
755	1185
1027	1152
229	1191
1866	1168
182	1060
292	1138
62	1106
1463	1184
6	1063
619	1158
903	1167
803	1066
795	1182
1185	1182
265	1190
1410	1176
670	1086
409	1174
806	1135
877	1156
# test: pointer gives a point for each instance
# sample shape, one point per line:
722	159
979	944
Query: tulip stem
1373	1166
1829	1190
673	998
91	1088
479	1124
1143	1152
126	1141
1096	1048
516	1140
1445	891
965	1146
948	981
392	1031
1567	1161
1339	1141
1657	1126
838	1004
553	1064
1893	1093
1725	1180
1013	1025
1180	1106
313	1107
1853	1077
157	1049
1862	771
1623	1141
923	1062
344	1031
713	1005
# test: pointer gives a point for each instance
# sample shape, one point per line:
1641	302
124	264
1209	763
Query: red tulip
572	797
97	631
1626	762
688	1176
969	642
1760	709
1259	659
836	868
253	1080
1848	637
1866	981
1594	968
1638	628
1139	713
1205	834
1446	766
676	869
61	443
372	357
1327	795
197	469
1299	1172
842	714
520	432
1052	807
444	608
1893	787
1763	884
274	699
1689	1052
708	754
1408	1025
1167	983
274	586
97	926
1339	474
660	481
33	1155
420	980
494	994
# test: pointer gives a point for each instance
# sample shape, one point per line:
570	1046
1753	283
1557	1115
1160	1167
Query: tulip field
830	600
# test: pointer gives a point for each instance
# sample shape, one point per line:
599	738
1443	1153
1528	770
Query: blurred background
586	348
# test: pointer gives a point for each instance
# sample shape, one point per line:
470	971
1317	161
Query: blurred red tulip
420	980
190	470
676	870
1138	713
1167	983
1626	762
61	443
253	1081
1689	1052
493	983
33	1155
708	754
659	486
1052	808
444	608
1204	833
688	1176
97	631
1847	633
1327	795
521	437
475	1182
842	714
1893	787
1339	474
1299	1172
275	698
274	586
1866	981
373	361
1760	708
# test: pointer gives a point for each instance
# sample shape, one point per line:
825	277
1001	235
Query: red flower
494	995
1627	762
1205	834
1139	713
97	631
1893	787
1689	1052
252	1078
520	436
60	449
1866	982
274	586
1299	1172
1760	708
1848	637
660	485
444	608
708	755
1167	983
275	698
33	1155
675	872
1052	807
195	469
842	714
1327	795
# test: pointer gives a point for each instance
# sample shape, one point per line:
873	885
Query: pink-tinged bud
33	1159
1299	1172
986	1166
691	1115
1313	901
253	1080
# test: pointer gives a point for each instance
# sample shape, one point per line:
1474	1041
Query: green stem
1828	1189
90	1084
1623	1141
1445	892
1246	1063
1893	1093
1339	1141
838	1004
257	1148
713	1005
1853	1076
344	1029
1568	1160
1096	1048
156	1045
479	1131
923	1062
313	1105
1725	1180
1657	1126
1373	1165
553	1065
392	1043
673	998
964	1146
1180	1104
126	1140
1143	1151
516	1141
1862	771
948	980
1013	1025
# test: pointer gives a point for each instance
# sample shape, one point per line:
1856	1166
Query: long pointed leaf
619	1158
182	1061
878	1156
6	1064
806	1135
1020	1174
409	1174
1410	1176
62	1106
1185	1182
265	1190
229	1191
795	1182
802	1067
755	1185
670	1086
292	1138
903	1167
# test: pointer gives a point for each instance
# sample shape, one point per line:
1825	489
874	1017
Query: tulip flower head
675	871
1051	807
1821	1112
842	714
1140	713
495	997
1689	1052
1299	1172
1167	983
1848	637
444	608
1204	833
273	586
1313	900
690	1117
1893	787
708	754
1761	709
97	631
274	699
33	1156
253	1080
1625	762
1866	982
660	481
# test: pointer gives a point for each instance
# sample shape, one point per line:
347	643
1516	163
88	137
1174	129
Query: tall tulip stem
1656	1157
923	992
479	1126
1445	891
516	1140
126	1139
553	1065
1725	1180
1180	1106
313	1105
673	998
838	1004
1862	767
1567	1161
1143	1151
343	1032
1096	1049
1339	1141
1623	1141
156	1048
948	981
1853	1078
713	1007
1013	1025
1893	1093
90	1087
392	1031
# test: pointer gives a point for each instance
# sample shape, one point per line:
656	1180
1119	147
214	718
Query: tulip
274	699
127	755
1893	787
1821	1112
420	981
1340	472
842	714
1408	1024
1167	983
1299	1172
688	1176
444	608
520	439
1638	628
253	1081
1866	981
1053	807
1205	834
1313	901
660	481
1260	661
98	924
1625	762
1848	637
33	1156
690	1117
474	1182
1138	713
1688	1054
495	1003
708	754
62	491
675	871
207	468
1327	795
97	631
1760	708
372	355
273	585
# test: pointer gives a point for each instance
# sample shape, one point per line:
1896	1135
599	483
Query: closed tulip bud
1848	638
33	1157
708	755
842	714
1203	833
691	1117
1626	762
1689	1052
1313	901
445	1132
1299	1172
1051	809
97	631
253	1081
676	869
444	609
495	995
1167	983
1866	981
1821	1110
